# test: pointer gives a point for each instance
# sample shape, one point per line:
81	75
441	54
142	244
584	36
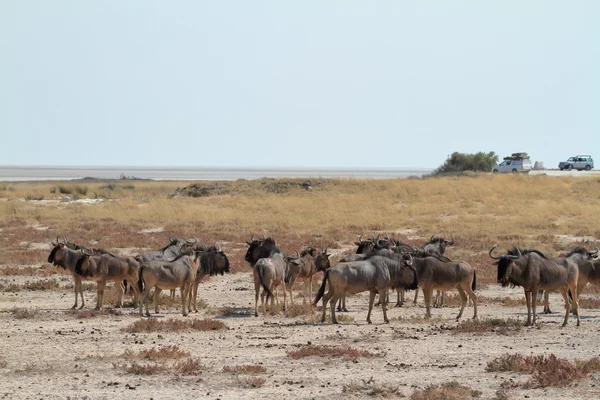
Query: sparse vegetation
24	313
330	351
254	382
370	388
487	325
459	162
446	391
41	284
174	325
245	369
545	370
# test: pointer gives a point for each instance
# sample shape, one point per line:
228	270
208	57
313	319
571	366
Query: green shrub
459	162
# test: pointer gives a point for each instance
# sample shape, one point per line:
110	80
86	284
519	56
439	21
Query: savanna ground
50	351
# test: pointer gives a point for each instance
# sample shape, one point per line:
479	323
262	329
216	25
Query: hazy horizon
333	84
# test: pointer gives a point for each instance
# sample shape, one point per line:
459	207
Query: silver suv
579	162
518	162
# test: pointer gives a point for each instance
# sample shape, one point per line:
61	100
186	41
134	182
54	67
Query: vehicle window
571	159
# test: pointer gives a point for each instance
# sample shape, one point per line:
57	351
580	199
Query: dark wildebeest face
505	265
365	246
259	248
59	250
222	262
322	261
82	267
438	244
407	260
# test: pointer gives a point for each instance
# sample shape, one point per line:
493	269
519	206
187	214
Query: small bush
245	369
110	186
189	367
546	370
36	198
446	391
141	369
173	325
24	313
496	325
299	309
154	354
254	382
65	190
81	190
370	388
330	351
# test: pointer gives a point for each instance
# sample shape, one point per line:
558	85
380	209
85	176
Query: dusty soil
57	354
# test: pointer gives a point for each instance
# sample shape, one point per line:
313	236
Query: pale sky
296	83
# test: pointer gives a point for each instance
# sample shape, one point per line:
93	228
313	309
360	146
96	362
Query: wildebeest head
582	251
58	250
407	260
259	248
214	261
322	260
505	265
83	263
438	244
365	246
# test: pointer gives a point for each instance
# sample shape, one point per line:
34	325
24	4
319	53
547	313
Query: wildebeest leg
417	295
257	292
400	297
78	289
528	296
326	297
472	298
290	285
100	294
575	302
463	301
144	300
120	293
193	297
565	295
172	294
157	291
427	295
333	301
384	305
344	309
547	302
284	296
372	294
185	294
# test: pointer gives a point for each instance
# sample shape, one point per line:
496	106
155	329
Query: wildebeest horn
491	255
172	238
518	251
431	239
193	240
297	254
262	235
593	253
65	239
451	242
359	238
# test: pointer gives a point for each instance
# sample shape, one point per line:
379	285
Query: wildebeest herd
379	264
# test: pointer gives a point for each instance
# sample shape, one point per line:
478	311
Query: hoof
196	311
369	321
323	320
147	314
387	321
398	304
344	309
81	306
74	307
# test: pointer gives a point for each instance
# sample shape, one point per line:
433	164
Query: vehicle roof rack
518	156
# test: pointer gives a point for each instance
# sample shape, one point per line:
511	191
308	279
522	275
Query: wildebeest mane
578	250
178	257
208	263
515	252
436	239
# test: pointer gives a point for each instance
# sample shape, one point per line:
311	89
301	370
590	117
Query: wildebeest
533	271
584	261
311	261
168	252
374	274
65	258
212	262
436	246
435	273
107	268
271	272
162	274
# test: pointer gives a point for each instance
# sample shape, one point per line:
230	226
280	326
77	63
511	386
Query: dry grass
370	388
45	270
446	391
299	309
154	354
489	325
174	325
189	366
245	369
24	313
41	284
142	369
545	370
589	302
3	363
330	351
253	383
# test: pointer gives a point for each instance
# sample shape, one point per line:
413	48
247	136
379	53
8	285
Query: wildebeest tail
415	283
262	282
321	291
140	282
474	284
